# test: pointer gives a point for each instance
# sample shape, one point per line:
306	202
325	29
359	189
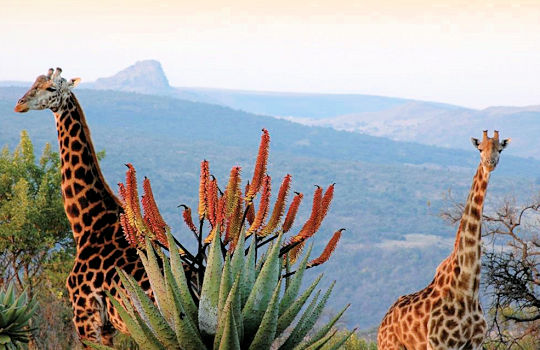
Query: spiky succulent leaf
208	304
267	331
156	321
228	311
294	285
318	344
96	346
260	295
226	282
142	335
229	339
323	332
307	321
288	316
248	278
177	269
296	336
156	279
340	342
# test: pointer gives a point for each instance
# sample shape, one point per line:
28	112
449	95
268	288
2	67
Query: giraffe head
490	149
48	91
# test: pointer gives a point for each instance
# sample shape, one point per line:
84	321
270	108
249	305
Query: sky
470	53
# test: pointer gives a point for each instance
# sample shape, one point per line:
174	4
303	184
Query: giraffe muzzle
21	107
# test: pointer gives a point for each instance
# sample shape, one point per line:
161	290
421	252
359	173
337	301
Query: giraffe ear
505	143
475	142
74	82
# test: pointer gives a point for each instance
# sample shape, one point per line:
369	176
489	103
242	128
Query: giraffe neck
85	191
468	244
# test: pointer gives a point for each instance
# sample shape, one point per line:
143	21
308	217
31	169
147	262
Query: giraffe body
447	313
93	211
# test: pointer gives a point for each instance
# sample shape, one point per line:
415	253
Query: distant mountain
145	77
388	193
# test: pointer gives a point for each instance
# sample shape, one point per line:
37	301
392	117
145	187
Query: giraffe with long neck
447	313
92	209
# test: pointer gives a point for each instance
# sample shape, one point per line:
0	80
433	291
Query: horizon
472	54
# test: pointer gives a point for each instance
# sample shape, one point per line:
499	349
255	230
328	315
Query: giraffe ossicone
92	209
447	313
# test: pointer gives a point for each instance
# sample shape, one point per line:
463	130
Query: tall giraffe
92	209
447	313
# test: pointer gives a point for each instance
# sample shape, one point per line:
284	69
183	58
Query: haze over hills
388	193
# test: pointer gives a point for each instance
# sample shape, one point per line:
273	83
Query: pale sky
465	52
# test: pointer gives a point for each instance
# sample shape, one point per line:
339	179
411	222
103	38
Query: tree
32	221
511	272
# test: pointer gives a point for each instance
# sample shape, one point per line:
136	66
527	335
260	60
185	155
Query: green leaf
318	344
96	346
156	279
324	330
184	327
228	308
267	331
296	336
340	342
226	282
288	317
229	339
208	304
294	286
179	274
260	295
143	336
156	321
248	278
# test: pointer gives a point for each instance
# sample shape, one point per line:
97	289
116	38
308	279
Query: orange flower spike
232	189
325	205
262	212
234	223
133	211
328	250
260	166
204	179
128	231
212	201
295	252
310	226
186	215
279	207
250	215
220	216
291	213
151	211
122	192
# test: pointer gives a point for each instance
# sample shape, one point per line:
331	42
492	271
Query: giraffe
92	210
447	313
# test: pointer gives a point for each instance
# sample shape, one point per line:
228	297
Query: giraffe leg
90	319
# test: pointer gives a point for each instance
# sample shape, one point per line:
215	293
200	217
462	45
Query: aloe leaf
143	336
267	331
177	269
184	327
340	342
228	311
260	295
326	328
308	320
294	286
318	344
208	304
156	279
248	278
226	283
237	260
296	336
156	321
229	339
288	316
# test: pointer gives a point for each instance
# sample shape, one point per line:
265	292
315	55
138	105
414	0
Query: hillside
388	193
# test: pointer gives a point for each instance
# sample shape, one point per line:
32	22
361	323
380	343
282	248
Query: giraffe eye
51	89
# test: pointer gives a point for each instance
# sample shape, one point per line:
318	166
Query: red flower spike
291	213
328	250
203	183
279	207
325	205
212	201
250	215
152	215
310	226
260	166
186	215
232	190
262	212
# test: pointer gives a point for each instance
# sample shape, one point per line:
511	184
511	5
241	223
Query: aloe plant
233	297
223	320
15	314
